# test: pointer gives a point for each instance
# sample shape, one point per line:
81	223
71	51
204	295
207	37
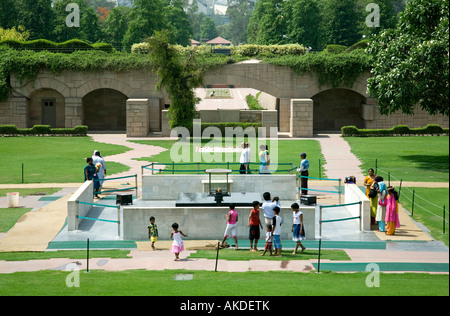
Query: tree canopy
411	62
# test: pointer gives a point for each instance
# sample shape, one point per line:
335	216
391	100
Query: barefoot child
254	223
269	238
178	244
277	231
298	229
232	218
153	232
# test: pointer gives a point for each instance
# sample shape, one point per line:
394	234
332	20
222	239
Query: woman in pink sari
392	220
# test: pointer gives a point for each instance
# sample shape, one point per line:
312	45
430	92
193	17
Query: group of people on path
272	222
383	203
95	170
271	209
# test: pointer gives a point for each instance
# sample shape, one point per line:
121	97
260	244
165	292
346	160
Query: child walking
178	244
153	232
277	231
298	229
269	238
232	218
254	223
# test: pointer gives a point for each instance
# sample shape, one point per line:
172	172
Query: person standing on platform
97	158
304	167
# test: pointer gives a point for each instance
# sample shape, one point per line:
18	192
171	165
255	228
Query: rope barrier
98	219
339	205
308	189
314	178
93	204
340	219
106	179
116	190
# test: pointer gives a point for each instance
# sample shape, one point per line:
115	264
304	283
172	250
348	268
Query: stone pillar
285	114
138	117
74	112
301	118
165	128
154	115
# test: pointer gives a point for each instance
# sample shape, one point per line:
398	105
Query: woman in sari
381	207
392	220
369	184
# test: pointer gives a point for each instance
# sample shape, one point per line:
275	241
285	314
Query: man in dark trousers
304	166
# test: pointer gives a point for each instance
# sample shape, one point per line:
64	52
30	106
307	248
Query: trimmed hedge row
65	47
40	130
398	130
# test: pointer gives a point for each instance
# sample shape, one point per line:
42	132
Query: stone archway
105	110
338	107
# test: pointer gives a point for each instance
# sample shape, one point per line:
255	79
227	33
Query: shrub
141	48
38	130
397	130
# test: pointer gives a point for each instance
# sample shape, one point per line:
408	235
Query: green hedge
38	130
65	47
398	130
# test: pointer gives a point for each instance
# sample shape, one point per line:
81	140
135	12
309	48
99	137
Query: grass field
284	151
231	254
208	283
428	209
410	158
51	159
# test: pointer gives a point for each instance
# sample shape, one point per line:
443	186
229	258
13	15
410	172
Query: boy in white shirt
277	231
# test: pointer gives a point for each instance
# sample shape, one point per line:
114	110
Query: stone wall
167	186
205	222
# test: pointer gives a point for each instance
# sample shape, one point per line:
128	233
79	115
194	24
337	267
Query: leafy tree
8	13
387	16
37	17
179	75
89	29
19	34
411	62
208	29
304	22
178	23
116	25
267	24
239	12
342	20
146	17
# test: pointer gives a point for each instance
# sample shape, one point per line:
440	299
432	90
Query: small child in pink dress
178	244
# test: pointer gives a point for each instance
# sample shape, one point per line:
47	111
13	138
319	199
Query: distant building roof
194	42
218	41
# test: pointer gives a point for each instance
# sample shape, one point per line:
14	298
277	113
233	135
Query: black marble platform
208	200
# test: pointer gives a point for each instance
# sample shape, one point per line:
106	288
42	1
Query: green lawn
428	209
71	254
10	216
51	159
209	283
241	254
410	158
283	152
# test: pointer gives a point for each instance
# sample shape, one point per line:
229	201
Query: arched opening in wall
338	107
105	110
46	107
230	103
